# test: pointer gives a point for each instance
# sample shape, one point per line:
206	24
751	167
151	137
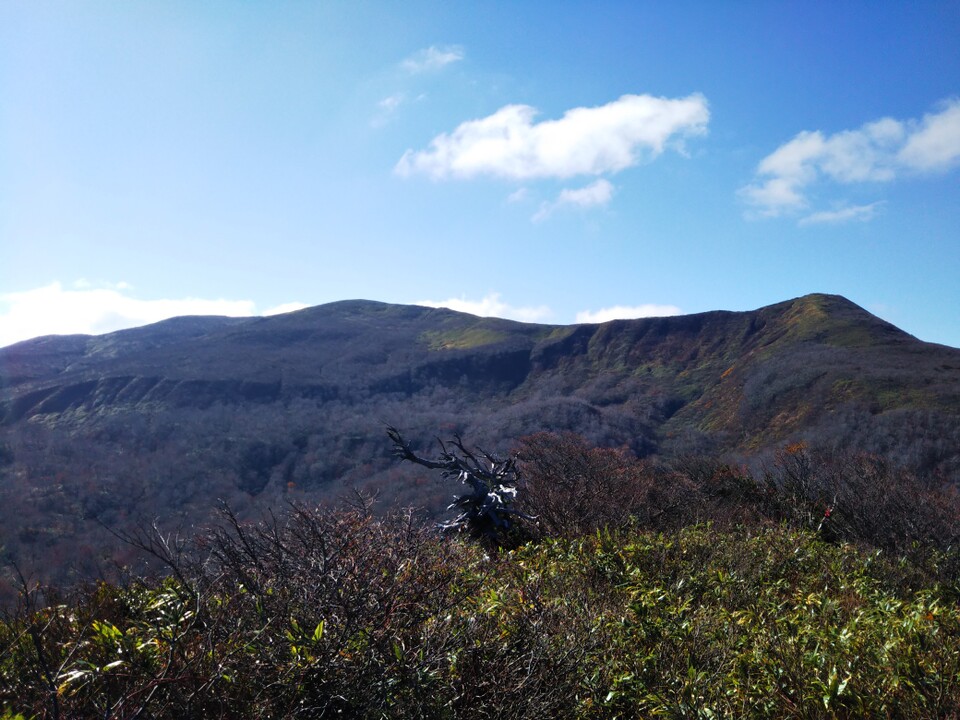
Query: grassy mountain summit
165	420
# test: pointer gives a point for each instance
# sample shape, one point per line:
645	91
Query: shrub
320	613
861	498
335	613
573	488
634	609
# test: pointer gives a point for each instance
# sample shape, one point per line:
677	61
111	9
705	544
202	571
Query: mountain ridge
720	381
310	349
172	419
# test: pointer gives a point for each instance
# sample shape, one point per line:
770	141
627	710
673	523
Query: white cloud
935	142
89	310
595	194
386	109
491	306
432	58
518	195
389	104
863	213
285	308
389	107
585	141
624	312
878	151
84	284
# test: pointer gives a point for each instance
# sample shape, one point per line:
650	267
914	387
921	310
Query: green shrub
324	612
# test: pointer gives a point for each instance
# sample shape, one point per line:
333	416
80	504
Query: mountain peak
833	320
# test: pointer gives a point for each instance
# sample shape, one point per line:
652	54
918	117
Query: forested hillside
168	421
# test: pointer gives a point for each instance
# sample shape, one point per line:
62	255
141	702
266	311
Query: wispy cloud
386	109
595	194
389	107
626	312
861	213
878	151
491	306
91	310
389	104
432	58
518	195
585	141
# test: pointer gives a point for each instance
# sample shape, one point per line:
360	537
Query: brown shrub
573	488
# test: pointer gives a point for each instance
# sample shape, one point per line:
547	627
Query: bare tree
486	510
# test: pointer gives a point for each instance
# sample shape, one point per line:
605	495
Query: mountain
165	420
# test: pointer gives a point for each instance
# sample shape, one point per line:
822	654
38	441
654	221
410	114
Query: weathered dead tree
485	511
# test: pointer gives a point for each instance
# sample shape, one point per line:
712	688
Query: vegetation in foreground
820	589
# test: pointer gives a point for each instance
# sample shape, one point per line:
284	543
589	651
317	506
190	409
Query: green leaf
107	630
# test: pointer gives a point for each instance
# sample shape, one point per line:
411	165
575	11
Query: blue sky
545	161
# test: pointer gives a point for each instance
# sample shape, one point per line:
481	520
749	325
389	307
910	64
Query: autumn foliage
815	586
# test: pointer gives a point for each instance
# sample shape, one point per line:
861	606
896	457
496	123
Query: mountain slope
756	376
168	419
